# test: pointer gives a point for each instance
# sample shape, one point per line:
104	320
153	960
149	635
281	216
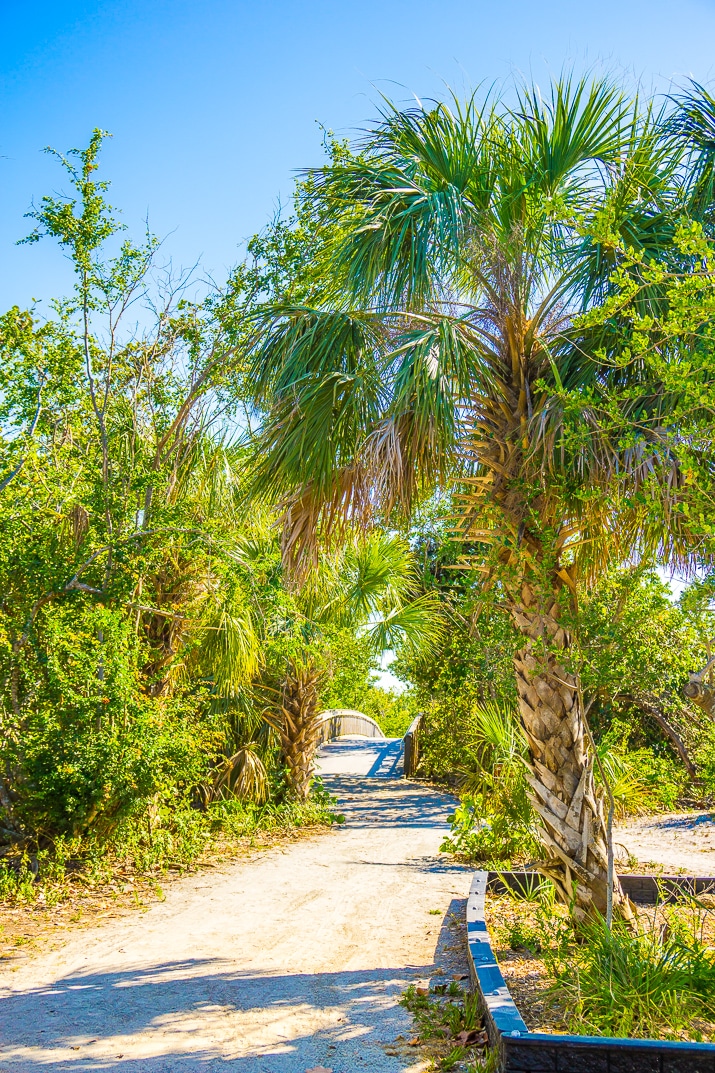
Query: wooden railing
347	723
412	747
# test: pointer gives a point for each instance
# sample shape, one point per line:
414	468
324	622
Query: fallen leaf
422	987
471	1038
414	1042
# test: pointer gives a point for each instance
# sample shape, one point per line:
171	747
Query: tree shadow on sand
202	1014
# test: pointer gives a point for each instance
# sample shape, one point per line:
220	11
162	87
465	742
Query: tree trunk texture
563	791
299	723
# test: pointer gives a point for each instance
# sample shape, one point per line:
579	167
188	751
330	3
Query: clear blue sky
213	105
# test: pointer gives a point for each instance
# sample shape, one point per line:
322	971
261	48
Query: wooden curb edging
643	889
522	1051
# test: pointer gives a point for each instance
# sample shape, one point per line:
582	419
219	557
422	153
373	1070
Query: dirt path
672	843
279	964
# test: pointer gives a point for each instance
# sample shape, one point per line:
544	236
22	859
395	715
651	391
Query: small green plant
495	821
449	1023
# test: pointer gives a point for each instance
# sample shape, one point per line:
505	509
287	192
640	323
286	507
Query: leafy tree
369	589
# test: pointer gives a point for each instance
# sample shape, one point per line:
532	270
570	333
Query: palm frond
417	625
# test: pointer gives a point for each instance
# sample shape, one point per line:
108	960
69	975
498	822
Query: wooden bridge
394	754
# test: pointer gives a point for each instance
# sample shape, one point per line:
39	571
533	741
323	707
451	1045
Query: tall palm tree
445	345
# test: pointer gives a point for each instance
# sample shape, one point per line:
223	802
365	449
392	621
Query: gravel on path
292	960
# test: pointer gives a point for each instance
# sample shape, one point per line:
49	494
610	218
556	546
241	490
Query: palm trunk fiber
300	719
561	777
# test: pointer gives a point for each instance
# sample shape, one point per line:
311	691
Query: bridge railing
412	747
346	723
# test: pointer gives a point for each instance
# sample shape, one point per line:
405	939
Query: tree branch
30	432
699	692
667	728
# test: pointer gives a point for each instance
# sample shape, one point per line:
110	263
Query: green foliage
91	748
393	711
494	821
641	780
353	662
146	615
634	644
658	982
168	835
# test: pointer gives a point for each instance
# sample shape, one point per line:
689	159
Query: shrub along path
292	960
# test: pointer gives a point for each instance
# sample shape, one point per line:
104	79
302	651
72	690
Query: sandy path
288	961
672	843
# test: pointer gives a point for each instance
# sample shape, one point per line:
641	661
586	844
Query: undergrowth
163	839
656	981
449	1026
659	982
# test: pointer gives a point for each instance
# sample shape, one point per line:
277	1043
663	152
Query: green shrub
657	982
94	748
495	821
393	711
166	835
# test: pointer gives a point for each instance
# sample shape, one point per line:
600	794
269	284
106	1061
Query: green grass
657	983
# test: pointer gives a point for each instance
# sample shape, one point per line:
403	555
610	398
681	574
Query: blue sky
213	105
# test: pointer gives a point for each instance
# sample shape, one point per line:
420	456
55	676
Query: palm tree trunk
300	719
563	793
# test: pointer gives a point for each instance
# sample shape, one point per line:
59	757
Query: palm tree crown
444	339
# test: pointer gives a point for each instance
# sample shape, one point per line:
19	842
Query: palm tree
371	587
445	345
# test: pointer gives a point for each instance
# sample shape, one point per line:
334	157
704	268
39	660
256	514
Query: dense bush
147	623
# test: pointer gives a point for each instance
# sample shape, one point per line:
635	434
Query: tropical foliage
493	278
160	677
456	407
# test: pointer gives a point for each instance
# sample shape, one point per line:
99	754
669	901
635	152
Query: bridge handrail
344	722
412	746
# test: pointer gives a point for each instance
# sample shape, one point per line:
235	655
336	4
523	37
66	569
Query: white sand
288	961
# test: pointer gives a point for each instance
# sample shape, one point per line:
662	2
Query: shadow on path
381	758
401	804
165	1003
158	1011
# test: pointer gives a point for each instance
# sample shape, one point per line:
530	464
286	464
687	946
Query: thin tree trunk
563	793
667	728
300	721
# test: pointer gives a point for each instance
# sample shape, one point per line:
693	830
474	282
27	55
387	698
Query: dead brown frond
242	775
